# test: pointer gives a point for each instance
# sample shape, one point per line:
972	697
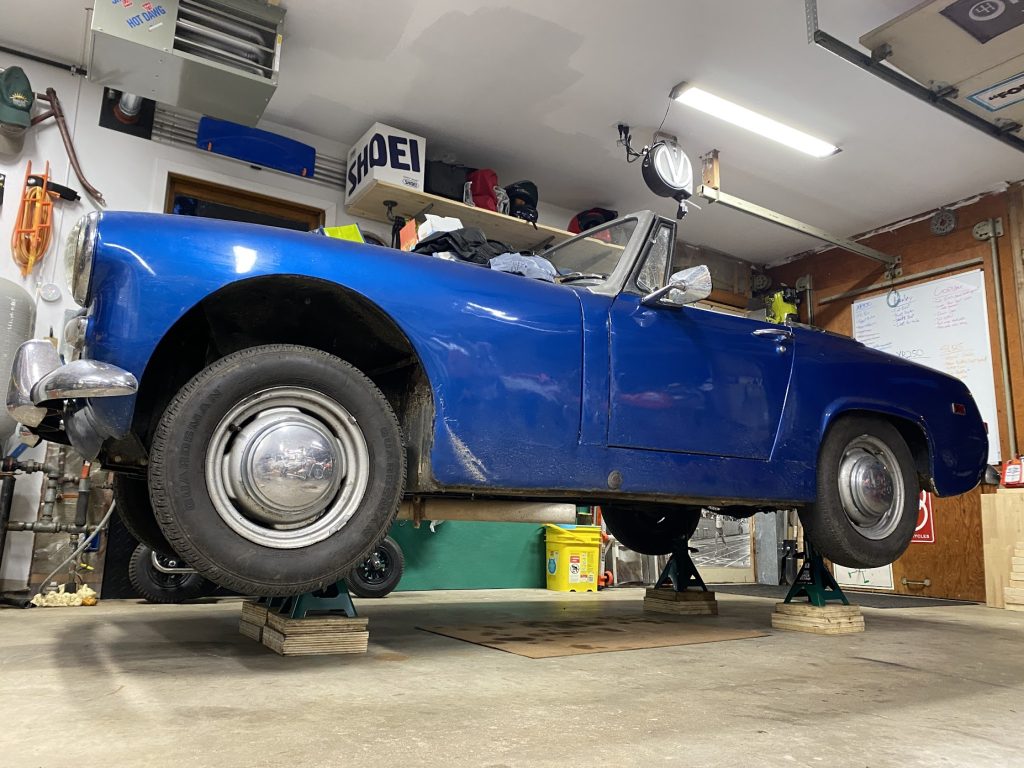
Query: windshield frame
617	279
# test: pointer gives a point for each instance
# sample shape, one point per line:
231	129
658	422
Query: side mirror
685	287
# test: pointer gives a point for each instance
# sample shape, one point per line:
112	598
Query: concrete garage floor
130	684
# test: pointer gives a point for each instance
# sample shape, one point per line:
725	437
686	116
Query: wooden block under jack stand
689	602
819	620
250	630
254	613
315	635
254	617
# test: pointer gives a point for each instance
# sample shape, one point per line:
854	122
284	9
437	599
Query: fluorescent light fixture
752	121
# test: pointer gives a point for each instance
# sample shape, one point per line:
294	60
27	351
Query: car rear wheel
650	530
132	497
158	586
868	491
380	573
276	469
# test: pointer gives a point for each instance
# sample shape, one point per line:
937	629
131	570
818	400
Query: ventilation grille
221	34
179	129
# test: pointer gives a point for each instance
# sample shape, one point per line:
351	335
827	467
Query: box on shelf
432	224
385	154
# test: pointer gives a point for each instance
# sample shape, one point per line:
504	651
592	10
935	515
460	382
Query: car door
689	379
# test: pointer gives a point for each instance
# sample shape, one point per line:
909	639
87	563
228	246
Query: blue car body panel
549	388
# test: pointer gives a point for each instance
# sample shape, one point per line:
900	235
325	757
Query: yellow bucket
574	557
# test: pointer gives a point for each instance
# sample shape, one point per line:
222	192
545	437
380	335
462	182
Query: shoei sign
385	154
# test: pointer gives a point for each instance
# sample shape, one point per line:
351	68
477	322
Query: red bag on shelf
482	184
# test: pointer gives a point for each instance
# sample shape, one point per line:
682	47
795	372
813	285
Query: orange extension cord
32	229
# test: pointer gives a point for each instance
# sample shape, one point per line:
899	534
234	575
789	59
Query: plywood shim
824	620
687	603
254	613
252	631
315	644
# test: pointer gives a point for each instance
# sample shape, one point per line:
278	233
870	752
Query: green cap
16	98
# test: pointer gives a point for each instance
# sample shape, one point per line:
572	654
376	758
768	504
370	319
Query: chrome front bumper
38	376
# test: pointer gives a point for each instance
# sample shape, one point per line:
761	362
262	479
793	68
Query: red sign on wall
924	533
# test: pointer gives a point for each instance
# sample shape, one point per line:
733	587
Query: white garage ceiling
534	88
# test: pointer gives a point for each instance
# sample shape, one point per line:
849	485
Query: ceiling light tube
752	121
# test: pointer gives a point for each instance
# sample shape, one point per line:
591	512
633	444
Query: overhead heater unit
215	57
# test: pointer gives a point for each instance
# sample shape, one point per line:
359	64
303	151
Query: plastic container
574	557
1013	473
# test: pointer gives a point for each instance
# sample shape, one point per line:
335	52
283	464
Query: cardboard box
385	154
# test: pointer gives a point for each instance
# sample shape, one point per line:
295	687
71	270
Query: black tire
133	506
842	532
379	574
650	530
182	500
158	587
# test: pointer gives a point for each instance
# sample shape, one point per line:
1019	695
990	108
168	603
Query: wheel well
911	432
288	309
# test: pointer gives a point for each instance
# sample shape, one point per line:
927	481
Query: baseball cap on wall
16	99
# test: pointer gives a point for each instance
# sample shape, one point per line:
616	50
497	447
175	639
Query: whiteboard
942	324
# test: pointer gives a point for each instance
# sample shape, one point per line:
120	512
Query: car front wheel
868	489
276	470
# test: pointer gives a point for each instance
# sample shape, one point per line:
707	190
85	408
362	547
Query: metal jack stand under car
680	589
822	613
320	622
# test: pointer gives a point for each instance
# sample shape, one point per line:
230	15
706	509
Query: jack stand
319	622
816	615
332	601
671	593
680	572
815	582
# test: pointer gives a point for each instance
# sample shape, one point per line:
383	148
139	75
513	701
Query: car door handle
779	335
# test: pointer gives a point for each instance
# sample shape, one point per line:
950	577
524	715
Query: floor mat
865	599
548	639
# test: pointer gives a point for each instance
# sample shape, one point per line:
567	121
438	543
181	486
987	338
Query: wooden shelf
518	233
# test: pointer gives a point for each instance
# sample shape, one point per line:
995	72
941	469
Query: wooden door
954	564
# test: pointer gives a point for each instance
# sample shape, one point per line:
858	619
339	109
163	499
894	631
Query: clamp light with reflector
733	113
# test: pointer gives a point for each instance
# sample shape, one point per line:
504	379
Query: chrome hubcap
871	487
287	467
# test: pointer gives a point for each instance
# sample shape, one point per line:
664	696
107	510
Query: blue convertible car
268	398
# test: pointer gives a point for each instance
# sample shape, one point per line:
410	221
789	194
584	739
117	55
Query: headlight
78	256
